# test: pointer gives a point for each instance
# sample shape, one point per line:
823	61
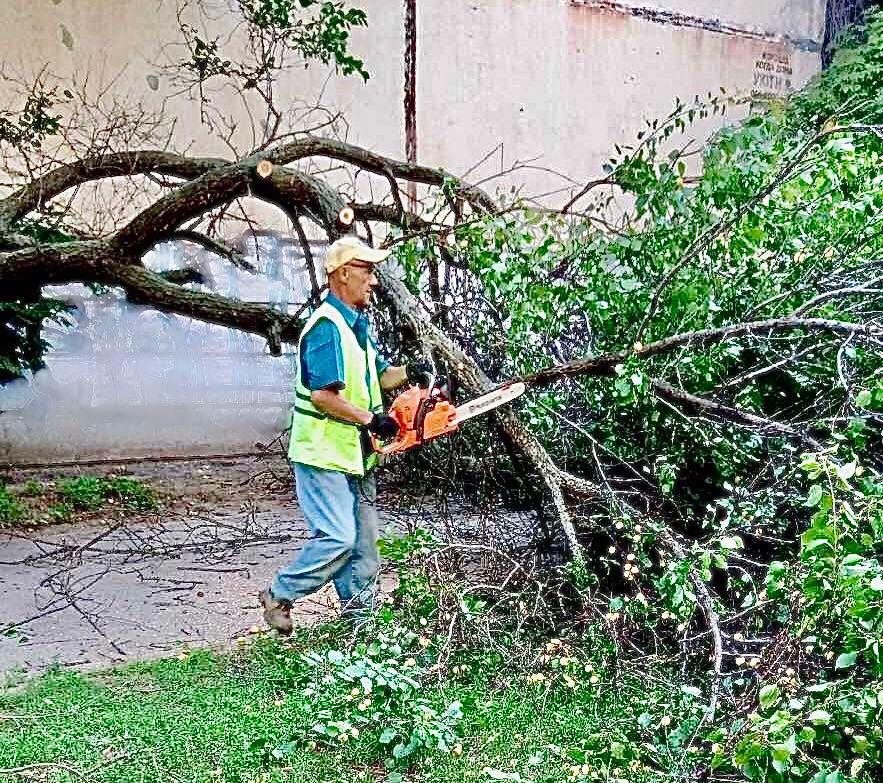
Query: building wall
551	82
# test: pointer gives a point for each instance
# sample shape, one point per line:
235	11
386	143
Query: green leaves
21	343
36	122
377	687
11	510
318	31
768	696
863	398
816	491
845	660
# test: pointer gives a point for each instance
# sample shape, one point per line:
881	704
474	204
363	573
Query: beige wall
565	81
558	79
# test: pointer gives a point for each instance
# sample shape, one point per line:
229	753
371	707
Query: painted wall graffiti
773	72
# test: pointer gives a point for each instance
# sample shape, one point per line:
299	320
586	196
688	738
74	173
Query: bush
33	489
373	691
83	494
10	509
131	493
89	493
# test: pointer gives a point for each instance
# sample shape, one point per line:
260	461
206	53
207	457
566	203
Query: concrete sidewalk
118	589
142	590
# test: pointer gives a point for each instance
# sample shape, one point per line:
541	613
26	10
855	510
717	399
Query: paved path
116	590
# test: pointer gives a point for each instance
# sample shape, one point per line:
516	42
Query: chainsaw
424	414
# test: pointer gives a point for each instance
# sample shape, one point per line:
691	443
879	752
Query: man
337	407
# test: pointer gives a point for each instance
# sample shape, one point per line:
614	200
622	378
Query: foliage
21	344
378	687
28	128
851	85
36	502
22	317
32	489
315	30
324	37
824	717
10	509
90	493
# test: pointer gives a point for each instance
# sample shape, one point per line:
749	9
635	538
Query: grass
11	509
39	503
208	717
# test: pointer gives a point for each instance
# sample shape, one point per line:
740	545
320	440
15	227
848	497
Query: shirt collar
350	315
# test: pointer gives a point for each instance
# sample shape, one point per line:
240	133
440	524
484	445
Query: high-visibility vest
317	439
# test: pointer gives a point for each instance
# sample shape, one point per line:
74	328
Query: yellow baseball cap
351	248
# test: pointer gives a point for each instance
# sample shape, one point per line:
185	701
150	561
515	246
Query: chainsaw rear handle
404	410
401	443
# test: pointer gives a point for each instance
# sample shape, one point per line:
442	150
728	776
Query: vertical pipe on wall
410	61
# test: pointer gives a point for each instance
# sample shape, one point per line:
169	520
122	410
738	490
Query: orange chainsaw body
422	414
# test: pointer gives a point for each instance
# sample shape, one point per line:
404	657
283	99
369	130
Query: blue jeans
341	513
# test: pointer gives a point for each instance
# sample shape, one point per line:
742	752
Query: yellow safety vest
318	440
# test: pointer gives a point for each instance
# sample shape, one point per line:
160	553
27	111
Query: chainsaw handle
405	410
399	443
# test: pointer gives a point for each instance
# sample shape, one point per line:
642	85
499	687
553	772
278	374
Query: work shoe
277	614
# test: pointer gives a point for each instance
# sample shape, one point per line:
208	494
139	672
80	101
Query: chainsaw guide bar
489	401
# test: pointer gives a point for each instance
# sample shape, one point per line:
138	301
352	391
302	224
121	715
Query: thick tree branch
67	262
313	146
718	410
40	191
605	364
98	262
190	200
142	285
214	181
384	213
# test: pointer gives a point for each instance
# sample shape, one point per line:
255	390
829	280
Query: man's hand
420	373
383	426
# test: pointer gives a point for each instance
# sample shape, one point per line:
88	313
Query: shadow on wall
129	381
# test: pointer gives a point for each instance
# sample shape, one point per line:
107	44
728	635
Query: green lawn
207	717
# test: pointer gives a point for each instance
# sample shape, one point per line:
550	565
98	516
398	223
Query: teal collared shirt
321	355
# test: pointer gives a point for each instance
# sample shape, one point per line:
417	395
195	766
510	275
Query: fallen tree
700	328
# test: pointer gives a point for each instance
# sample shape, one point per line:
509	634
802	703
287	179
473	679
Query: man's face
358	280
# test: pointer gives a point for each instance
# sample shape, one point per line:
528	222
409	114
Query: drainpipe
410	60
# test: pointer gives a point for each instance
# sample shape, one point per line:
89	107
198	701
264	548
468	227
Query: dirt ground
118	587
